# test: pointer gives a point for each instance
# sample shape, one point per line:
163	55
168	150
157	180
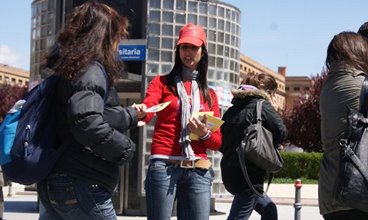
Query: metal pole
297	204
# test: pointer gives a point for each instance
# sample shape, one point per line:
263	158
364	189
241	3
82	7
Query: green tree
303	121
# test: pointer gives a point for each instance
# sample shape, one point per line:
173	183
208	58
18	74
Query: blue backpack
29	147
28	142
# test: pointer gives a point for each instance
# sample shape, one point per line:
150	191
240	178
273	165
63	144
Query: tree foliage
8	96
303	121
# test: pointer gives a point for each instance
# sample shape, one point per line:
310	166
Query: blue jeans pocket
70	198
61	192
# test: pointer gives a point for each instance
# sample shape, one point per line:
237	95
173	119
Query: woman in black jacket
91	121
237	118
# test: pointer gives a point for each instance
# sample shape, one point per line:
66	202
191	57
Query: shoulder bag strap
241	158
259	121
363	97
259	111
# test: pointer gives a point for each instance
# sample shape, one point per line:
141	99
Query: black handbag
353	184
258	148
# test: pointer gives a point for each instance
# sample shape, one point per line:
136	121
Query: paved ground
22	205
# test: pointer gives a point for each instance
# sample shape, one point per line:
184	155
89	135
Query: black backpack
29	147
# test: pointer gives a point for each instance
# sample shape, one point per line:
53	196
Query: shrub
298	165
303	121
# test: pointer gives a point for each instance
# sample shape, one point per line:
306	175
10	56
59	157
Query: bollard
10	194
297	204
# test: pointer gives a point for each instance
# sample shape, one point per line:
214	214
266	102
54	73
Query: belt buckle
187	166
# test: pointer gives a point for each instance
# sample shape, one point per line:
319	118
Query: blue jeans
64	197
244	203
166	182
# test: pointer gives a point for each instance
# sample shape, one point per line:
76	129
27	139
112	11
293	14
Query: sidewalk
284	194
22	204
281	194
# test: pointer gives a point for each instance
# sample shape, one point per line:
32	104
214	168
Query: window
180	18
153	42
152	69
203	7
166	56
192	18
220	49
168	17
203	21
154	16
167	30
153	54
169	4
211	35
193	7
165	68
154	28
212	23
220	62
212	10
167	43
155	4
180	5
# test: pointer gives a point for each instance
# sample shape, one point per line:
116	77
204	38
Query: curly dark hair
90	33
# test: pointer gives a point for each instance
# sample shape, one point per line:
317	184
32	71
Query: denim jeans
244	203
266	208
64	197
166	182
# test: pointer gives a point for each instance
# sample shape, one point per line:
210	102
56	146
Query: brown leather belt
190	164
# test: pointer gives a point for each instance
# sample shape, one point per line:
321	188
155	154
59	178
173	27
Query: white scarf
186	109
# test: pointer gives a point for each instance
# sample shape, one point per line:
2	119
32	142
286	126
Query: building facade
248	65
13	76
295	87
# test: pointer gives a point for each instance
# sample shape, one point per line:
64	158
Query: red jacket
165	140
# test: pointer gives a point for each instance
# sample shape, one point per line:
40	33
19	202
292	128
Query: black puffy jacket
92	126
237	118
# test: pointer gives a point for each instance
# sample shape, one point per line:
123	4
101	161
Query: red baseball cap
192	34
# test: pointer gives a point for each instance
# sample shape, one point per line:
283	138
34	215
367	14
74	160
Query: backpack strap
348	150
107	78
242	158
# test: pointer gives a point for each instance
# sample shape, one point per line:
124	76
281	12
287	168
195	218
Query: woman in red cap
179	167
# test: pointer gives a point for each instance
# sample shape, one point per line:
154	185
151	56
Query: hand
141	123
140	110
198	127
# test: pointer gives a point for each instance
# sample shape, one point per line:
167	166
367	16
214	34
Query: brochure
213	123
159	107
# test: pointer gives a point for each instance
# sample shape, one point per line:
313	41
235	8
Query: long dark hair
89	34
349	49
202	73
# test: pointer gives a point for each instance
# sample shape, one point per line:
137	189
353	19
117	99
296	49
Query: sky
290	33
